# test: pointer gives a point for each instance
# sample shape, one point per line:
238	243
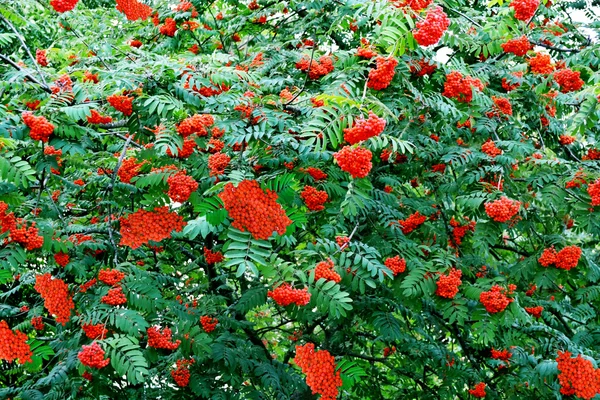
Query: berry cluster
284	295
161	340
114	297
447	285
57	299
189	145
254	210
212	258
217	163
503	355
129	168
459	231
208	323
319	367
110	276
168	28
365	52
84	288
478	391
503	209
364	129
181	374
568	80
89	77
577	376
94	331
594	191
39	127
97	118
412	222
430	30
489	148
502	105
214	145
566	140
354	160
518	47
388	351
315	173
325	270
567	258
143	226
541	64
28	237
509	85
342	241
496	299
93	356
121	103
396	264
62	6
524	9
61	259
181	186
314	198
37	323
13	345
195	124
383	73
316	69
536	312
40	57
461	87
423	68
134	10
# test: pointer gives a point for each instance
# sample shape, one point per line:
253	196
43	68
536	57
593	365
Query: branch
312	53
116	124
464	16
559	49
27	75
508	248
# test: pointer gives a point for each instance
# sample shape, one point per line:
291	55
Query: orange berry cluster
535	311
567	258
214	145
519	46
478	391
502	105
284	295
39	127
447	285
181	374
365	52
57	299
342	241
28	237
114	297
40	57
423	68
503	209
594	192
568	80
430	30
316	69
13	345
254	210
134	10
161	340
94	331
208	323
143	226
189	145
93	356
325	270
61	259
396	264
364	129
110	276
489	148
168	28
461	87
120	103
181	186
524	9
566	140
388	351
354	160
97	118
541	64
62	6
314	198
412	222
459	231
577	376
496	299
196	124
381	76
37	323
315	173
217	163
506	85
319	367
212	258
84	288
503	355
89	77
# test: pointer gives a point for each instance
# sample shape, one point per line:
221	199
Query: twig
464	16
28	76
559	49
89	48
312	53
349	238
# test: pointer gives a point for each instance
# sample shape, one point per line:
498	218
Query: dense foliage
299	199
